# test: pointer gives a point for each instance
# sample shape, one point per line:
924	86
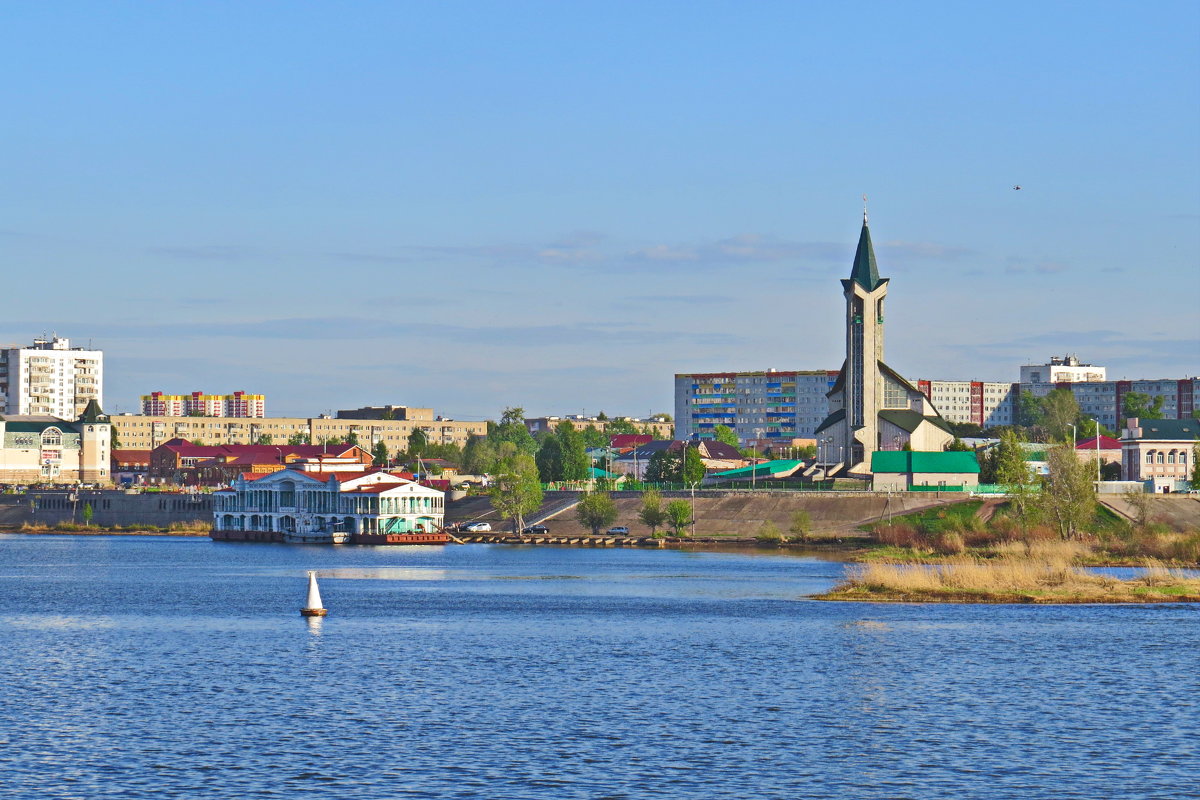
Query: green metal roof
1169	429
918	462
865	273
763	470
93	413
909	420
831	420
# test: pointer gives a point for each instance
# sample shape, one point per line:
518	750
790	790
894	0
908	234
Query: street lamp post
693	510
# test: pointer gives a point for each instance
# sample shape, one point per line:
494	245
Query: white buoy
312	606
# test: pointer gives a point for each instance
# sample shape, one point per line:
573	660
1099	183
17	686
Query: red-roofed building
129	466
181	462
366	507
1108	450
625	442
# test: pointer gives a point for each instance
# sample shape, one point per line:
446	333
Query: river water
177	667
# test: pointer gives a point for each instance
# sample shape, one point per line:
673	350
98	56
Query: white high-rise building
1064	369
50	378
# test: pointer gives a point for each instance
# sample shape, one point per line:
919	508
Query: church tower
864	292
871	406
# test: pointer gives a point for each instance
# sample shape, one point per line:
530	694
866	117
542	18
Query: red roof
264	452
622	440
375	488
1106	443
131	456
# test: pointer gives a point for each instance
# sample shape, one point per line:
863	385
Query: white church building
871	406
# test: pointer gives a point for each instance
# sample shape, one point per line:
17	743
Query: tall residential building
238	405
50	378
767	404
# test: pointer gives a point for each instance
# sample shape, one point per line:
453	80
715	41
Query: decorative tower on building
871	406
95	438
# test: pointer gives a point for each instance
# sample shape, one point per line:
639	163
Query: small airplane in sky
1018	188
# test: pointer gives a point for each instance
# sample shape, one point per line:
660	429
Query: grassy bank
1027	573
971	529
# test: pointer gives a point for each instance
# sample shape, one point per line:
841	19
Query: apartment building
980	402
239	405
1105	400
1062	369
764	405
145	432
50	378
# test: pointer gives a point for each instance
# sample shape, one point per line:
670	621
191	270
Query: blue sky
560	205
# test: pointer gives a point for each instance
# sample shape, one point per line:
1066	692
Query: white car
620	530
477	527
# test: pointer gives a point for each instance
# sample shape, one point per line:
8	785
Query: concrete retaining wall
108	508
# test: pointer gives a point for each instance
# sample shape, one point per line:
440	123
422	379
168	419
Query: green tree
1089	427
801	525
479	456
1196	466
807	452
1068	498
264	438
576	465
619	425
352	438
596	510
1142	406
1011	470
959	446
300	438
88	513
550	460
693	467
663	467
418	442
1060	410
652	514
679	515
594	437
511	428
1029	409
114	438
379	454
602	417
516	490
724	433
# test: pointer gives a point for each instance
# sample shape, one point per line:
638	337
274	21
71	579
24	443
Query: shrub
950	543
768	533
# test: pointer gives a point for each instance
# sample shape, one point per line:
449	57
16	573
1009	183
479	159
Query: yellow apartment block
140	432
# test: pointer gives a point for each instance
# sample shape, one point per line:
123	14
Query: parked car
476	527
619	530
535	529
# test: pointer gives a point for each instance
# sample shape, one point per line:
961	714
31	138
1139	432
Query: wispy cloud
746	248
1017	265
206	252
925	250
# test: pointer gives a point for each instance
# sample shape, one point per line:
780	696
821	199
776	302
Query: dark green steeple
92	413
865	272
